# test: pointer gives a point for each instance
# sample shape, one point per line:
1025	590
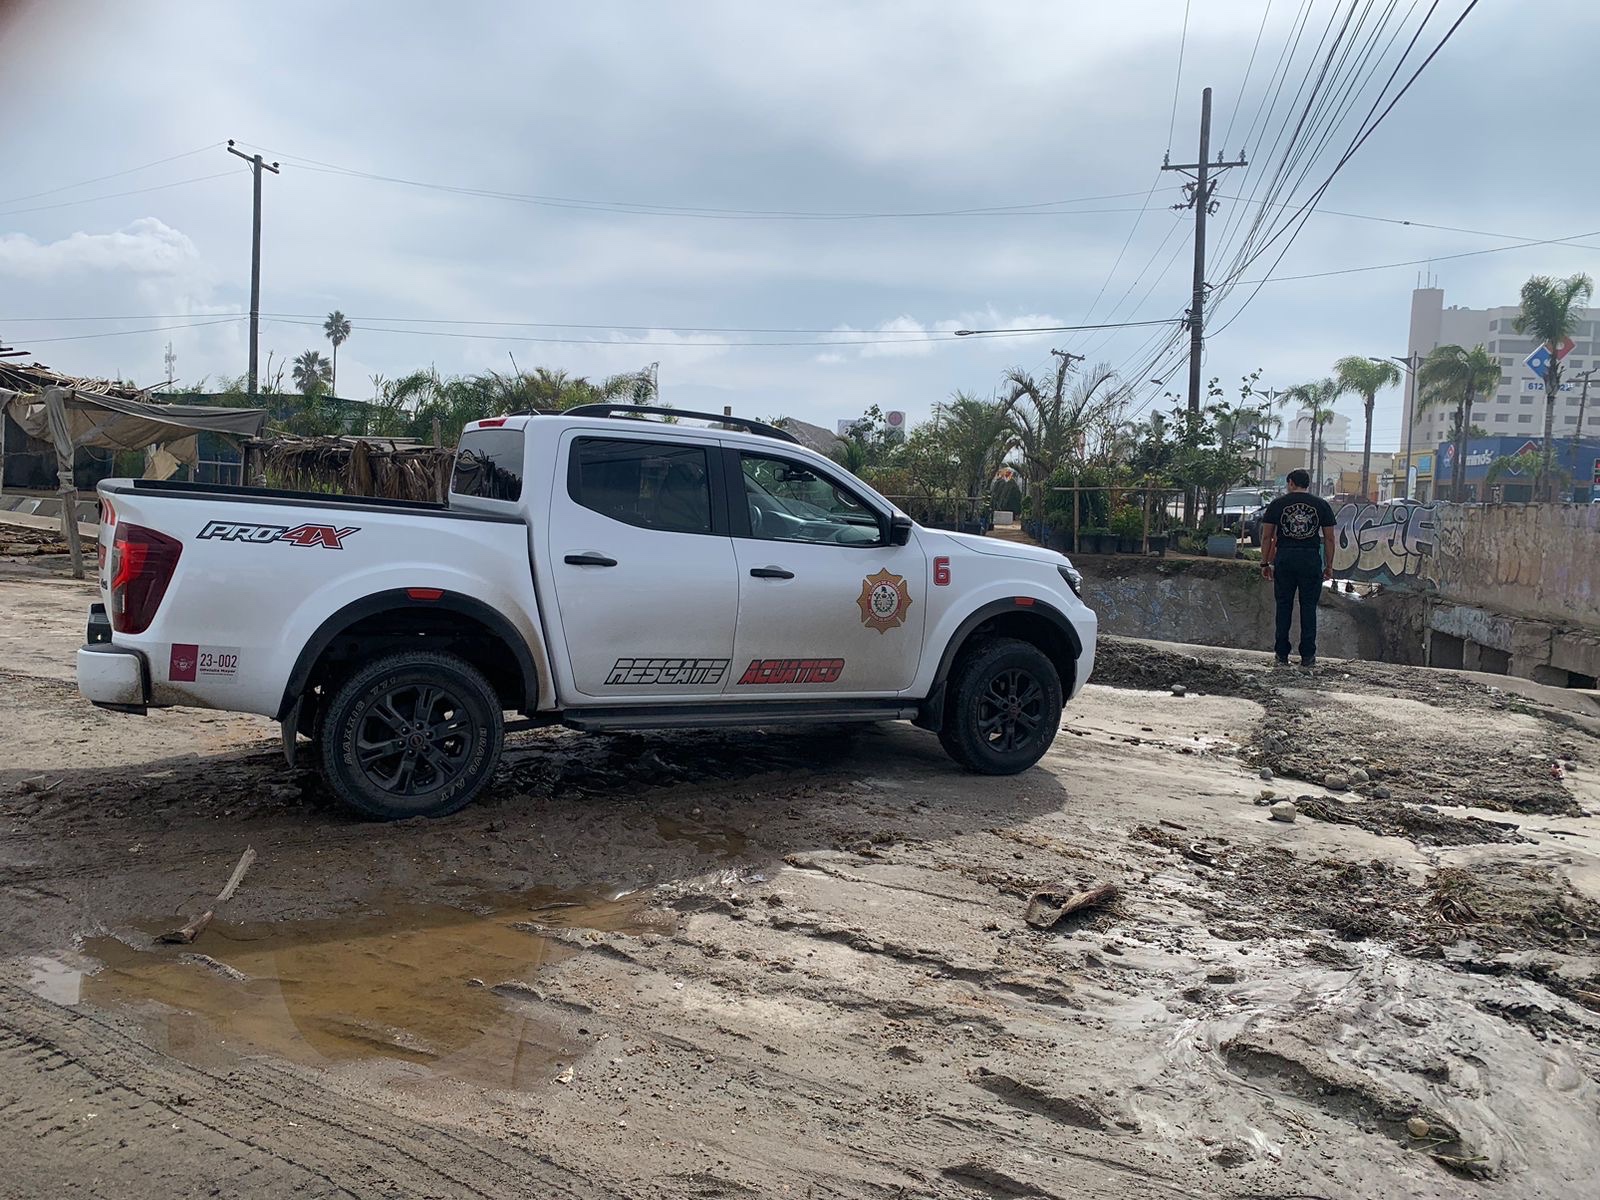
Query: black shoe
1282	662
1308	665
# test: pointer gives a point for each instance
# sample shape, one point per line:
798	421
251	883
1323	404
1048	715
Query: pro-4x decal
328	537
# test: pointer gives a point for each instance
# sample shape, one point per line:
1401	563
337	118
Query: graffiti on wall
1398	543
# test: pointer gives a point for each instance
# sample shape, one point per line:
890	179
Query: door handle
589	560
770	573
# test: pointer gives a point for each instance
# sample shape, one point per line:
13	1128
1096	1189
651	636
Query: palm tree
980	435
1455	375
1365	377
1316	405
1551	312
337	329
311	372
1051	425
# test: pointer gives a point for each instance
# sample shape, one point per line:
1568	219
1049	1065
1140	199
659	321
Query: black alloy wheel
415	734
1002	707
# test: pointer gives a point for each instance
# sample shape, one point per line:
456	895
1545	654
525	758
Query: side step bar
712	716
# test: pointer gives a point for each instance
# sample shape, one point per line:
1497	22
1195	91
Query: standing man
1297	555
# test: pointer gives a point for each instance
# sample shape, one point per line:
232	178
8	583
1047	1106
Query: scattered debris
196	927
1045	909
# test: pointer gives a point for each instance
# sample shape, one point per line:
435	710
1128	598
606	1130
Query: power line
1370	125
160	187
67	187
840	339
81	337
1183	41
1244	84
696	211
1415	262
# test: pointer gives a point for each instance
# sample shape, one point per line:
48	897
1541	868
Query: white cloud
147	246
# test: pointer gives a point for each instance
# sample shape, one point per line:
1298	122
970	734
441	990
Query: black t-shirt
1300	518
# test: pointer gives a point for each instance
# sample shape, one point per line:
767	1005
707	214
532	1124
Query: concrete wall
1214	602
1538	561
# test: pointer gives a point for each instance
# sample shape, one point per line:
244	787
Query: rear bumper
114	677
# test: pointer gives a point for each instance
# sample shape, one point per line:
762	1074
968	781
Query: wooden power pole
1198	196
256	167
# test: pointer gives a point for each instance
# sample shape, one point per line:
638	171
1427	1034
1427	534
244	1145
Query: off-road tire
415	734
983	730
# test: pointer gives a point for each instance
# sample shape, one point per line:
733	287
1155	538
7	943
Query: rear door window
654	485
489	464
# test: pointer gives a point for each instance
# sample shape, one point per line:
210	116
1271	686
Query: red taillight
490	423
142	563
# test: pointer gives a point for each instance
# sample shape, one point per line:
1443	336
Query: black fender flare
932	715
399	599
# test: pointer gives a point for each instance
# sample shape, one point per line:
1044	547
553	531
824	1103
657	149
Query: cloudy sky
602	186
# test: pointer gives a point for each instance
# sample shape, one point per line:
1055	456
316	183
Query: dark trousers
1297	571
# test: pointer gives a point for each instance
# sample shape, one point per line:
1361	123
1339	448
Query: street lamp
1411	363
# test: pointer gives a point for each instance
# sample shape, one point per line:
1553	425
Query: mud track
780	963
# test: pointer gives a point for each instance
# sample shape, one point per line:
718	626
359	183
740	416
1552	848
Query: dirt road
795	963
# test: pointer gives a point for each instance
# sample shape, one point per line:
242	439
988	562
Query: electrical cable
67	187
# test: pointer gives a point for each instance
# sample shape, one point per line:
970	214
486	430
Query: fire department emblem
884	601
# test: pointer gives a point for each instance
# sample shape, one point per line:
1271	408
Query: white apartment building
1517	406
1335	433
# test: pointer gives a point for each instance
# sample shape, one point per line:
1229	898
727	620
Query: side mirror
899	530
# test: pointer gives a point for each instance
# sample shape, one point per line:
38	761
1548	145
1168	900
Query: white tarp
110	423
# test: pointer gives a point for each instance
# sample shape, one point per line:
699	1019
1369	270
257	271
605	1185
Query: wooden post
55	403
1147	514
441	482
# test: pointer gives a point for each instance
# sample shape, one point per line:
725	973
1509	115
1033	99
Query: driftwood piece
196	927
1045	909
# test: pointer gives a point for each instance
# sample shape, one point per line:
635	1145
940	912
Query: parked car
588	570
1250	527
1236	506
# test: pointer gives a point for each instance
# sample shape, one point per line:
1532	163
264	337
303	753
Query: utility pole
256	167
1197	195
1577	430
1412	363
171	360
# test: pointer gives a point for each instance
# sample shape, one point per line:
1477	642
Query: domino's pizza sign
1539	361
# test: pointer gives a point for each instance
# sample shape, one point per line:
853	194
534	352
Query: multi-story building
1334	434
1516	408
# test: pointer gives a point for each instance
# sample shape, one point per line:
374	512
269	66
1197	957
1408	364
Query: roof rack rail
631	410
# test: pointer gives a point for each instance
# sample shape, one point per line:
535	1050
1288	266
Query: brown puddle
722	841
391	985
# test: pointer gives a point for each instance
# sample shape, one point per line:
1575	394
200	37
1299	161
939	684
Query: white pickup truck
596	568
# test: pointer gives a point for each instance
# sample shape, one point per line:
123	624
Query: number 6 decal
941	572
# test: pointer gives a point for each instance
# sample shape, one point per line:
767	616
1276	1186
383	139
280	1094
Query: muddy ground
795	963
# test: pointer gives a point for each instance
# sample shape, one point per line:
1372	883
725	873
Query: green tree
1455	375
311	373
1051	421
979	434
337	330
1551	312
1365	377
1316	405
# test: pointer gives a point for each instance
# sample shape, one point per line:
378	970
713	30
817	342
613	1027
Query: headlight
1074	578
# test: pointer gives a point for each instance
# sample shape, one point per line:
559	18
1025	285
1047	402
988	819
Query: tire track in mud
211	1127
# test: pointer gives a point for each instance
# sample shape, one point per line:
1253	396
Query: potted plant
1158	544
1128	524
1094	538
1222	545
